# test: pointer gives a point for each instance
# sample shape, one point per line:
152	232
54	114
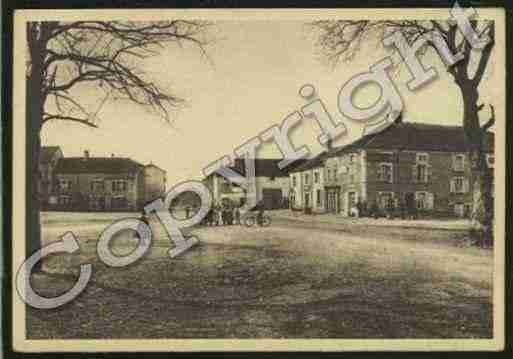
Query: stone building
308	185
415	165
105	184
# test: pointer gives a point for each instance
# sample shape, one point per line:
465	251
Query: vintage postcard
259	180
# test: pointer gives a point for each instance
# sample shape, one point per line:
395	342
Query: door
307	200
409	201
272	198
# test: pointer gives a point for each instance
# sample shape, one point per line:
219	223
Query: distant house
272	183
105	183
307	182
415	165
48	159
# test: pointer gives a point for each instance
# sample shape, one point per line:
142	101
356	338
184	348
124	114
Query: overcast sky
249	82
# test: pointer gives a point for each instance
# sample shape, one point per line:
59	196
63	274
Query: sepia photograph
219	180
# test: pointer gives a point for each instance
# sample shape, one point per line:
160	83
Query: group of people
222	215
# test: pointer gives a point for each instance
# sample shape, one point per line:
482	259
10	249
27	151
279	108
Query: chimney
86	154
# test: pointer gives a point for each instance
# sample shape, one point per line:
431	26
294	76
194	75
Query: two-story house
105	183
414	165
307	185
48	159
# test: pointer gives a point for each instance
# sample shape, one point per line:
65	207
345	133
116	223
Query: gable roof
417	137
47	153
110	165
266	167
405	136
154	166
312	163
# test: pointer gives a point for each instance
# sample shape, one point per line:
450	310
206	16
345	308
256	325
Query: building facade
104	184
419	166
272	184
308	186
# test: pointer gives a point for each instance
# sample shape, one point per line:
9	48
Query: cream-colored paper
255	64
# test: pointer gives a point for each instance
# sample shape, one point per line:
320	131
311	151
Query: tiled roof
266	167
47	153
73	165
405	136
417	137
313	163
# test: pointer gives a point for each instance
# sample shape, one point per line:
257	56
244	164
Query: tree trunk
481	175
34	114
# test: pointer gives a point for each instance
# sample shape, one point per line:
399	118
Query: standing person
144	219
217	214
260	215
237	215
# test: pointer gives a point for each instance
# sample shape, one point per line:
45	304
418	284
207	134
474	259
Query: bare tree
63	56
341	40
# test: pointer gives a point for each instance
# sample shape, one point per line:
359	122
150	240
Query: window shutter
429	173
453	186
453	163
463	162
414	173
430	200
466	185
380	172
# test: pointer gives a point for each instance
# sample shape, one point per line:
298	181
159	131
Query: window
97	185
319	198
119	186
307	178
385	172
316	177
422	173
422	169
490	160
226	187
467	210
459	162
335	173
352	158
421	200
459	185
386	200
351	199
328	174
293	181
422	158
65	184
64	200
424	200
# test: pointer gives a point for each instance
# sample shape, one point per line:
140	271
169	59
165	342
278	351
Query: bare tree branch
108	54
48	117
491	121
